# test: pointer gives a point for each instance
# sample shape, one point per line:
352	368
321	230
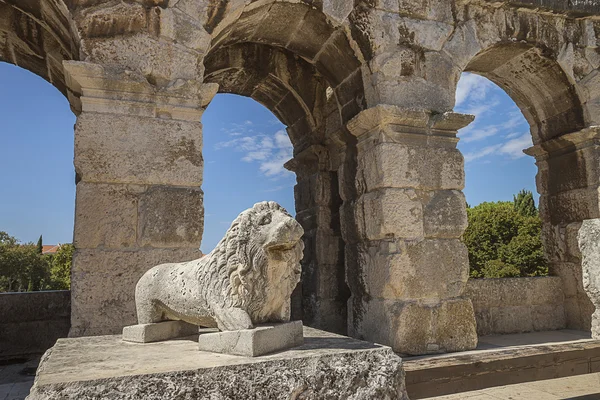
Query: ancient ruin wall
516	305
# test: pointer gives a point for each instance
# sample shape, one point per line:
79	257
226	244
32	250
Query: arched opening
309	76
541	90
37	150
244	153
36	212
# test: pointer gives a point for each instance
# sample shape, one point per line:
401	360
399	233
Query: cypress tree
40	246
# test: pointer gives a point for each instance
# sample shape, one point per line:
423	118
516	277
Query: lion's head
264	248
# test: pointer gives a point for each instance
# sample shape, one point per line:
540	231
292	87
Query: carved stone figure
246	280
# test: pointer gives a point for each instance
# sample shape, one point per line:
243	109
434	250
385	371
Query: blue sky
245	147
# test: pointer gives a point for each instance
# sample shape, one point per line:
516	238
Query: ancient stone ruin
366	89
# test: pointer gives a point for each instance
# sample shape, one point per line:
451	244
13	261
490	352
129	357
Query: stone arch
537	84
285	84
302	65
303	30
38	36
540	60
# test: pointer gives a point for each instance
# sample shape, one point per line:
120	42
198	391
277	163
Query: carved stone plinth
326	366
148	333
255	342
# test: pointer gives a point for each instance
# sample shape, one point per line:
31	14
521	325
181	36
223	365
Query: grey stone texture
589	243
326	366
159	331
516	305
31	322
263	339
367	91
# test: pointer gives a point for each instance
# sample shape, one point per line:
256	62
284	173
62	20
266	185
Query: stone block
171	217
548	317
328	248
106	215
160	331
326	366
416	328
512	319
389	212
328	314
114	148
426	269
410	166
589	244
570	206
261	340
445	214
103	286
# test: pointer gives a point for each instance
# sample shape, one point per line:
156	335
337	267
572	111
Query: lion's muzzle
285	236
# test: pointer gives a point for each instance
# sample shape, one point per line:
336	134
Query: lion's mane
236	268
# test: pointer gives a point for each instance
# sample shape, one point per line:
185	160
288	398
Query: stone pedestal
263	339
406	265
326	366
157	332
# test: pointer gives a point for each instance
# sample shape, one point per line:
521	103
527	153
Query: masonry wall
32	322
514	305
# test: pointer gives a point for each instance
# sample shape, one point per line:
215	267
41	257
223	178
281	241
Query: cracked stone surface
326	366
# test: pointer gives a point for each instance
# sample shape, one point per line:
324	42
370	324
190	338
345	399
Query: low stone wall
514	305
31	322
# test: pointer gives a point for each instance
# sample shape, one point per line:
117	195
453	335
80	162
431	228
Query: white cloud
513	148
474	135
486	151
270	151
472	88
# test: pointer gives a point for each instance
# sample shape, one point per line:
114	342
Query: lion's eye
265	220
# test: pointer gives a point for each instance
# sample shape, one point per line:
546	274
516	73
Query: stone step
503	360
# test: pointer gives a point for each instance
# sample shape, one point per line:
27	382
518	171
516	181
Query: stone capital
565	144
101	89
394	124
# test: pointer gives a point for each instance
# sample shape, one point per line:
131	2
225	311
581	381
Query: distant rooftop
50	248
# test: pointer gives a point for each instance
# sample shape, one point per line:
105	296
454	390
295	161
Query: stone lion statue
246	280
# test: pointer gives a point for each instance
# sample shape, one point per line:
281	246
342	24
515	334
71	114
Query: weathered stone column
411	266
324	291
568	180
138	159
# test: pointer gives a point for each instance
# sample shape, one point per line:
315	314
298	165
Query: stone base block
147	333
416	328
327	366
255	342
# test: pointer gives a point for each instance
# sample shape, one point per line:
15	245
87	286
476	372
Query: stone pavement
579	387
16	378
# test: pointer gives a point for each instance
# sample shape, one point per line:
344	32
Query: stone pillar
138	160
410	267
568	181
324	291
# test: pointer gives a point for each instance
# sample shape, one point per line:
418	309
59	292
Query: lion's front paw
233	319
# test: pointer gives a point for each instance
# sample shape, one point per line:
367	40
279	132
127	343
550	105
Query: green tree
60	267
504	239
40	245
21	266
525	204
